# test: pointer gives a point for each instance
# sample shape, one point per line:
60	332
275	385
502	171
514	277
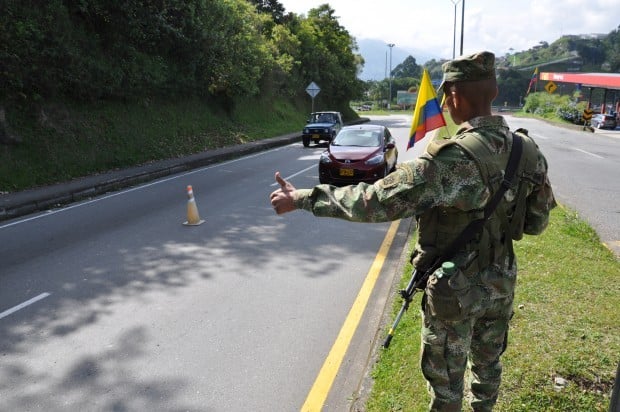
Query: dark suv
322	126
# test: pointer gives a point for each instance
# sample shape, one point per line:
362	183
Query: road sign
550	87
587	114
313	89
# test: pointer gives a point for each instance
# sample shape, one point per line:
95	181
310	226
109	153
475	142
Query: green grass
566	324
80	140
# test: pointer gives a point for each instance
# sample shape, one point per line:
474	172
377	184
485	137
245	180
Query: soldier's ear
457	100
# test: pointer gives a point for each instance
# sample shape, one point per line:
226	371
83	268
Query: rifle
416	283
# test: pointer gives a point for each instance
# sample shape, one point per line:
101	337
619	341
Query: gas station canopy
601	80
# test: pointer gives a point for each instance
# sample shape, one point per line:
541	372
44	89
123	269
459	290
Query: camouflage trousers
448	347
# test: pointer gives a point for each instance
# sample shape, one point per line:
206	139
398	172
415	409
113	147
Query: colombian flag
427	114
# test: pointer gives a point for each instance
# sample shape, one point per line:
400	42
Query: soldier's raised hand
283	199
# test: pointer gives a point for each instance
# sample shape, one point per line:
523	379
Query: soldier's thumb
280	180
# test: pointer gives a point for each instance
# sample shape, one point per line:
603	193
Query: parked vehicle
362	153
603	121
322	126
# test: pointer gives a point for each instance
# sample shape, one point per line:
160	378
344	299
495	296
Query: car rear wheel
306	141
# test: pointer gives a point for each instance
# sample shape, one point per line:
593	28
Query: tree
434	68
512	85
408	68
377	89
612	50
101	49
329	57
272	7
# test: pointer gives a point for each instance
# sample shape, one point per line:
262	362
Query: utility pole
462	24
454	30
386	75
386	60
390	45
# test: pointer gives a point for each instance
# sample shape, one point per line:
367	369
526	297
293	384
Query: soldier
445	189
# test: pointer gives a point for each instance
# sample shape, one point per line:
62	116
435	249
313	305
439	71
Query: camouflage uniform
450	182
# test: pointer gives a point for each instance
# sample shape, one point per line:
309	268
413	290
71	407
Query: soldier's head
470	85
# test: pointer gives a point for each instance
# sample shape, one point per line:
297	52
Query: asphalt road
583	169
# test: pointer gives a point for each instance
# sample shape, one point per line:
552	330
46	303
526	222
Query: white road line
588	153
295	174
23	305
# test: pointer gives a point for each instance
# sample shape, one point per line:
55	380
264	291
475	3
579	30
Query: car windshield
363	138
322	118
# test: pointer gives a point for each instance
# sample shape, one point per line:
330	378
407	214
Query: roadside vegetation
94	85
93	138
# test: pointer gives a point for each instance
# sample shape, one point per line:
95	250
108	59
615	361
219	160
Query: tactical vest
440	226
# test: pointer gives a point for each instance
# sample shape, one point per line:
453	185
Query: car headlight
325	158
327	130
375	160
306	130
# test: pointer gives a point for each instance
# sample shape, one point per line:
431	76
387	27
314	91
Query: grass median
564	343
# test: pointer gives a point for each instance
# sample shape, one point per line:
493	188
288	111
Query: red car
362	153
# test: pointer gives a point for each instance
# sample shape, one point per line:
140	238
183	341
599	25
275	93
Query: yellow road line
325	379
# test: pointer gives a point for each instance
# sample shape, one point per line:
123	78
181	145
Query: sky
494	25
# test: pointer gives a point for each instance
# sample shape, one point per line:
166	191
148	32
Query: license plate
346	172
315	136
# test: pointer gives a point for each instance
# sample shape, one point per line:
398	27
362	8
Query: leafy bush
554	106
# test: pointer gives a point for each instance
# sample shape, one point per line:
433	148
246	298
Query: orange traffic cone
193	218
